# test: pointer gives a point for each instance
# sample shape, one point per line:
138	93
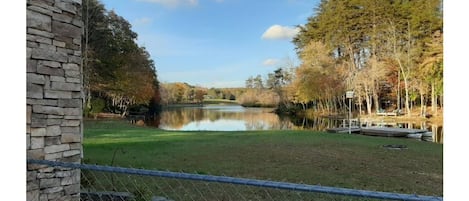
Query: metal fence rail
92	177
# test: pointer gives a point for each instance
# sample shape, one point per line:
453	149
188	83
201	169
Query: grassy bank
350	161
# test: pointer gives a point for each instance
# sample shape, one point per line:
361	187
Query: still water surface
238	118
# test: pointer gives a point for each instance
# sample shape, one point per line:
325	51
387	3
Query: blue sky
215	43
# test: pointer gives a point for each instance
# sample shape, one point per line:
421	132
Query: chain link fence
107	183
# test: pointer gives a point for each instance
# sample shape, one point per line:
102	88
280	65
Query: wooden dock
390	132
354	129
378	131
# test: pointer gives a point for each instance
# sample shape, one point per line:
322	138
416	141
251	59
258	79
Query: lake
238	118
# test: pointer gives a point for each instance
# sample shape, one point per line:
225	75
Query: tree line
118	74
390	53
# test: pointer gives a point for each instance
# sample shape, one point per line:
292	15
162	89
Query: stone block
77	22
73	80
67	50
57	79
53	156
70	129
45	175
74	179
35	154
51	122
43	197
48	183
35	167
53	190
37	142
76	94
72	189
55	196
48	169
42	109
40	33
35	78
71	66
31	65
57	94
28	140
70	123
56	148
77	53
47	83
75	146
66	6
28	52
50	71
39	116
38	39
67	173
72	73
73	117
67	30
40	10
51	64
38	123
31	44
38	21
64	86
76	41
58	43
74	59
47	47
32	195
55	117
72	111
48	55
71	159
54	140
31	175
62	17
38	132
34	91
50	102
53	130
32	185
71	153
47	4
29	111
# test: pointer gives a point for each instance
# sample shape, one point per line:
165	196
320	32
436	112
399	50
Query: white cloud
277	32
142	21
270	62
173	3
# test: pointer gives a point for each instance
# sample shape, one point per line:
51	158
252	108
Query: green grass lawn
340	160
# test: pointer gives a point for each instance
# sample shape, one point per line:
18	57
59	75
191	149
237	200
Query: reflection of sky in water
225	125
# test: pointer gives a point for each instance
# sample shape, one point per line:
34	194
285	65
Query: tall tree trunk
422	105
360	105
434	99
376	99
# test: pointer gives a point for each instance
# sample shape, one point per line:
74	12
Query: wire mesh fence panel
104	183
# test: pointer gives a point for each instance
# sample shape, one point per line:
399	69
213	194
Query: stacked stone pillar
54	97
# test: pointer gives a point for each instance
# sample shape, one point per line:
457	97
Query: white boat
415	135
427	134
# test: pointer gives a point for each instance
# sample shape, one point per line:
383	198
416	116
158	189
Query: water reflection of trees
262	119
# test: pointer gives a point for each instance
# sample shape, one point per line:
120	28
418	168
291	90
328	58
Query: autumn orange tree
116	70
365	42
